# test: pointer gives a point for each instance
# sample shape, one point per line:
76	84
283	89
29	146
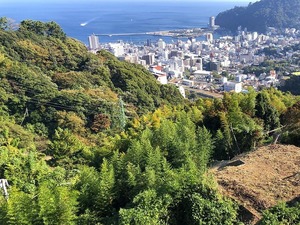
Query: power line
22	87
54	104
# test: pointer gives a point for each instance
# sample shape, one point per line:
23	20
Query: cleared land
260	179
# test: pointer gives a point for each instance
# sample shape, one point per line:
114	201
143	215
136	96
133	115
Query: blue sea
115	17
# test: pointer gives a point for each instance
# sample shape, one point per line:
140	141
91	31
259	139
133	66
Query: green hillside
88	139
262	14
47	73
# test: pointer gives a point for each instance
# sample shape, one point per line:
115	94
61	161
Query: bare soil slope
259	179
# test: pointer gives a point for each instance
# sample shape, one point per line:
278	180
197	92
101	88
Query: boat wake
87	22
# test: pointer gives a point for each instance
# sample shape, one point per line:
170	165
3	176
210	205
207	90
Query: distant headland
260	15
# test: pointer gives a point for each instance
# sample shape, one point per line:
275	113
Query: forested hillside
87	139
292	85
262	14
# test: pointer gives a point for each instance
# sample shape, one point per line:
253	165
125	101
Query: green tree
36	27
204	149
291	122
247	103
3	23
54	30
200	203
87	185
66	149
50	29
21	208
266	112
105	193
147	208
281	214
97	193
57	204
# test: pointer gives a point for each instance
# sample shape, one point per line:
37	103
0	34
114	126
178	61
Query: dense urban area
213	66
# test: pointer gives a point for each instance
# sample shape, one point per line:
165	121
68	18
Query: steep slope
43	72
262	14
262	178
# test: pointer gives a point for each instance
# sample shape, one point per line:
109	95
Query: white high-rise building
212	22
161	44
94	42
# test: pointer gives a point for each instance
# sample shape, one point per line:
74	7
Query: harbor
179	33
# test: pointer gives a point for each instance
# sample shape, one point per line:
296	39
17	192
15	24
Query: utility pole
25	115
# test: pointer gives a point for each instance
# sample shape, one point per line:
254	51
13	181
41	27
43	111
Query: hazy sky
70	1
44	2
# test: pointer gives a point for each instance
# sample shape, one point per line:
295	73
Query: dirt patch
268	175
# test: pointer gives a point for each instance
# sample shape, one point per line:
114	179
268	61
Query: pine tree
57	204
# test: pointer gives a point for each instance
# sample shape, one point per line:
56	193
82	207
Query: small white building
233	86
117	49
188	82
201	74
161	78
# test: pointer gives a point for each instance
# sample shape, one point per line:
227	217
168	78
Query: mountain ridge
260	15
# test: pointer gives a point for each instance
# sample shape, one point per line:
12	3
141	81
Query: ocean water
111	17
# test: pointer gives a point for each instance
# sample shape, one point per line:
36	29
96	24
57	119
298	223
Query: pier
193	32
122	34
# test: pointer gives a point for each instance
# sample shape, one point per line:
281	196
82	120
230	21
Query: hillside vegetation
262	14
87	139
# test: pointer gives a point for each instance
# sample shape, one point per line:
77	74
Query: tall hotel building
212	22
94	42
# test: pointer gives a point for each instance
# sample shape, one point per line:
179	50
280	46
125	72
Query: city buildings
208	63
149	58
